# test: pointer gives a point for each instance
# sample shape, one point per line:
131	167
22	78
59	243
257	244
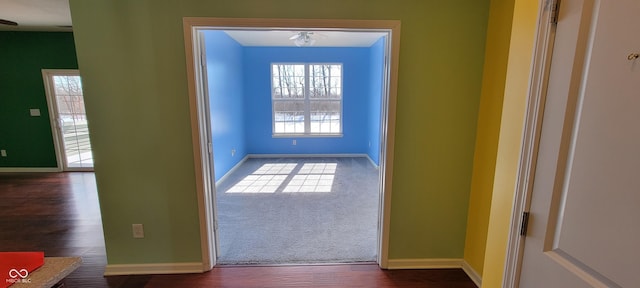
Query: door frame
201	136
52	104
537	92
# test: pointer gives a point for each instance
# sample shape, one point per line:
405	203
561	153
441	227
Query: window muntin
288	81
325	117
326	81
306	99
288	117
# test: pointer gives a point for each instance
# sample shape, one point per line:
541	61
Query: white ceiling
322	38
36	15
54	15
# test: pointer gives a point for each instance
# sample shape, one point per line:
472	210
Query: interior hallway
58	213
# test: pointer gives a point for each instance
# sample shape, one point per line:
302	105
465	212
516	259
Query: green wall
132	60
28	140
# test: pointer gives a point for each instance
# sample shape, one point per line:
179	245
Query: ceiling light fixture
303	39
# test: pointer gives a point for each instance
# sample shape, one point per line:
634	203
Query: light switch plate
34	112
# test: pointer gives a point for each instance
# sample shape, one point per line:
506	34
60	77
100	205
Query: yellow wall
493	84
515	96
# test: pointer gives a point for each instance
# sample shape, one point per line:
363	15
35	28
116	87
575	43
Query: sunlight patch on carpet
309	178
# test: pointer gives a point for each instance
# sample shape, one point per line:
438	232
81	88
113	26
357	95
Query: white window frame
306	100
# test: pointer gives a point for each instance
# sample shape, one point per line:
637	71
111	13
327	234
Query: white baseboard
234	168
266	156
435	263
472	273
372	162
438	263
29	170
353	155
156	268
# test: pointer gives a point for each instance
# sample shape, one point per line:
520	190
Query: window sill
306	135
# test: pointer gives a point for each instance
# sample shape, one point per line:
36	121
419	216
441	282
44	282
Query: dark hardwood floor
58	213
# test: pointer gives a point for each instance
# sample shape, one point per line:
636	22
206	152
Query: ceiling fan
304	38
15	24
8	22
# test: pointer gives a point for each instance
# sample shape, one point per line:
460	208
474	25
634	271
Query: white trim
306	155
266	156
541	63
155	268
475	276
307	99
193	25
47	74
436	263
202	143
426	263
372	162
234	168
29	170
56	132
299	135
387	139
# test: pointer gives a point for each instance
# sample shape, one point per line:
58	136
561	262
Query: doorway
201	116
68	118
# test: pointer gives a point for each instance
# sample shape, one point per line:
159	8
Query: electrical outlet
3	153
294	142
138	230
233	152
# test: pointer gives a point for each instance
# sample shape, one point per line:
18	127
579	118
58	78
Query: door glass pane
73	121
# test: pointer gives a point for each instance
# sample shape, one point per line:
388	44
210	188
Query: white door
68	119
585	205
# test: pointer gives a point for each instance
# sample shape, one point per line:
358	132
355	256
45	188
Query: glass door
69	121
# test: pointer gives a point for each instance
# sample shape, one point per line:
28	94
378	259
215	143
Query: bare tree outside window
69	98
307	99
65	89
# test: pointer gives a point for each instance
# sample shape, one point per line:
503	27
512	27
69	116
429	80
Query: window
307	99
66	104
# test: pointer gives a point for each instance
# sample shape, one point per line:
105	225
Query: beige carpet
298	210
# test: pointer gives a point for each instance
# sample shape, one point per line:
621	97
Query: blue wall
375	98
226	97
239	81
356	77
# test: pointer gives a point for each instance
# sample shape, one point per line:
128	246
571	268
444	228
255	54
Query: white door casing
584	203
199	117
69	128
